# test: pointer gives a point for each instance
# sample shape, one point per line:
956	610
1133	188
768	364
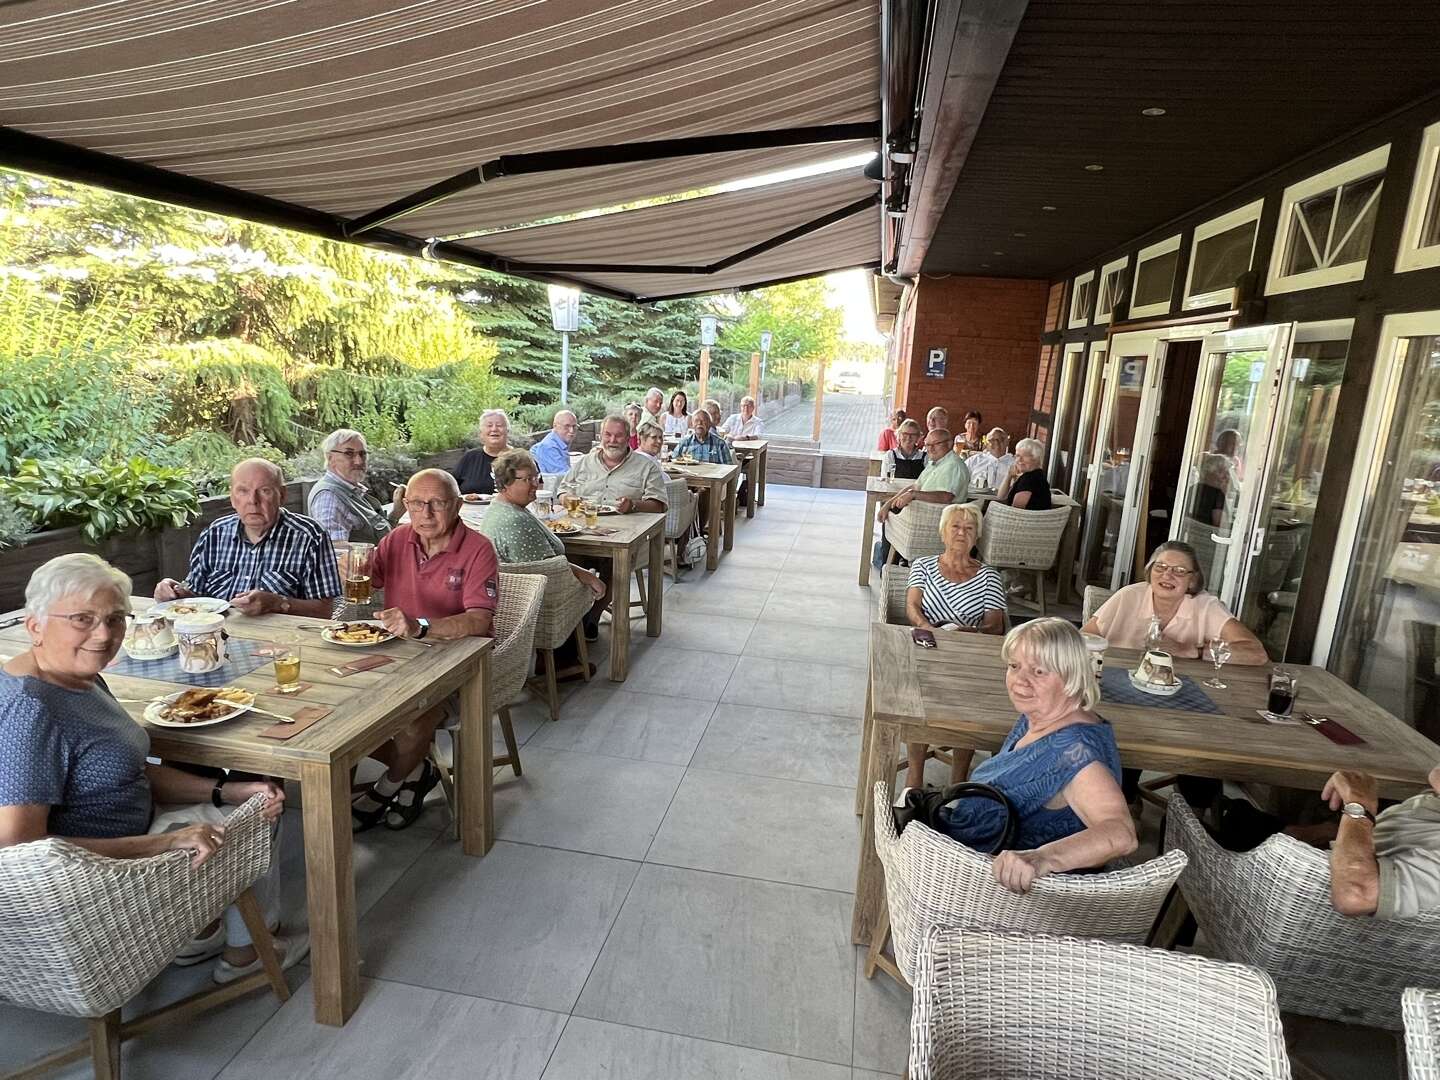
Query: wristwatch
215	793
1356	810
424	627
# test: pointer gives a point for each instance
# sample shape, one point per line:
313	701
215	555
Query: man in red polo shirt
442	581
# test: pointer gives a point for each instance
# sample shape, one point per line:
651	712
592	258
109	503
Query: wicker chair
932	880
682	508
1094	598
1271	907
890	597
1005	1006
1421	1009
1027	541
915	531
81	934
566	602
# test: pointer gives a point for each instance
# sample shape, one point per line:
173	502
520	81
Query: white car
844	382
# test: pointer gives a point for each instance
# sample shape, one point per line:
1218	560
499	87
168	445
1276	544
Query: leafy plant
102	499
15	525
207	458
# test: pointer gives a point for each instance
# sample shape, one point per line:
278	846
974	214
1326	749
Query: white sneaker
291	951
201	949
900	799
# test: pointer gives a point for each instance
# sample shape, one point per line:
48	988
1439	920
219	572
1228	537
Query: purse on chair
923	805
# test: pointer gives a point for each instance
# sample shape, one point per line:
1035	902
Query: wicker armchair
932	880
890	598
1271	907
915	531
1005	1006
1023	540
566	602
683	506
1095	598
81	934
1421	1009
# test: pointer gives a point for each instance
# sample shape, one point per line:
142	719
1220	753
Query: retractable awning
316	114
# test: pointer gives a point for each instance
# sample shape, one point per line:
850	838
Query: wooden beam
755	375
704	372
819	398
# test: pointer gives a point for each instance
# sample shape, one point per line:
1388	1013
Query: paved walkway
851	422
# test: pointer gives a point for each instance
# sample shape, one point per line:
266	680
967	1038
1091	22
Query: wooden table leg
752	471
764	459
861	772
655	599
732	490
867	536
620	614
870	876
330	888
475	790
713	523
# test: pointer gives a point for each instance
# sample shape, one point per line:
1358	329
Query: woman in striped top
953	591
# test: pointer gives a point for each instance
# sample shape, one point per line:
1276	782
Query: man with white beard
614	475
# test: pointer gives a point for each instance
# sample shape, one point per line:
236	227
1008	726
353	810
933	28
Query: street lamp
708	324
565	314
765	339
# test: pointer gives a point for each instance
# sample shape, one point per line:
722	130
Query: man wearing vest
341	502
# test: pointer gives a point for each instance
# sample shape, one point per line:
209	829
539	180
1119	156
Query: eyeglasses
352	454
428	506
86	621
1173	571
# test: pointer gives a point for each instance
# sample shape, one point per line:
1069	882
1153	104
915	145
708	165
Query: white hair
563	412
277	474
654	391
446	480
78	574
339	437
970	510
1055	645
747	400
1034	449
488	413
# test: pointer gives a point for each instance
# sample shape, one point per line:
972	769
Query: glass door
1225	455
1062	431
1089	414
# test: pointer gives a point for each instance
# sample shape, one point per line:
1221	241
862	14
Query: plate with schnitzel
357	635
198	708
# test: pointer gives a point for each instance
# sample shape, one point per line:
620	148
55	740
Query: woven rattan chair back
1421	1010
1094	598
891	596
1020	1007
1022	539
1271	907
915	531
563	606
521	598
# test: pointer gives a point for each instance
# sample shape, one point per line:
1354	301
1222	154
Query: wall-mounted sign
935	363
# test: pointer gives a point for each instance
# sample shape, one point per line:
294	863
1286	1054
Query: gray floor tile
748	554
736	576
700	676
780	493
749	826
403	1031
523	924
705	632
797	581
826	558
866	1074
819	643
585	802
797	686
738	961
778	536
700	596
591	1050
839	495
817	608
882	1020
605	719
787	745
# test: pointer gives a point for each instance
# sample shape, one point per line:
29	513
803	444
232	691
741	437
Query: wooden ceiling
1246	86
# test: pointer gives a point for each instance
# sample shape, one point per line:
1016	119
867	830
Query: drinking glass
1218	649
357	573
592	515
1284	687
287	672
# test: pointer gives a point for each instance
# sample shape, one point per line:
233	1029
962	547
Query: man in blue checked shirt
703	444
262	558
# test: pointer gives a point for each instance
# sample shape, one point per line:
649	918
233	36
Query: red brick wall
991	327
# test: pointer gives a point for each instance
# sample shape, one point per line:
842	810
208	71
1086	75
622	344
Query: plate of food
605	511
190	605
198	708
686	460
1156	675
357	635
473	497
565	527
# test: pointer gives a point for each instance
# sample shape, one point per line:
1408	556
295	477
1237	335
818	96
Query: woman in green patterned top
519	536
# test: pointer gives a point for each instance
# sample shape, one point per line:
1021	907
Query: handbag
923	805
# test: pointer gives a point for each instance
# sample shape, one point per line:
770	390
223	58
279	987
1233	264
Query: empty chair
932	880
1421	1009
682	508
1027	541
1013	1007
1271	907
565	605
81	934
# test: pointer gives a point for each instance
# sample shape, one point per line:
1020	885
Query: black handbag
923	805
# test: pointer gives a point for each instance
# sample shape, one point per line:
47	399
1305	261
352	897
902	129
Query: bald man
552	453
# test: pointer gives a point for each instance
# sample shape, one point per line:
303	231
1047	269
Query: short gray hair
488	413
614	418
998	433
938	409
711	401
747	399
508	465
970	510
277	474
650	431
1034	449
1195	582
339	437
563	412
446	480
78	574
1055	645
654	391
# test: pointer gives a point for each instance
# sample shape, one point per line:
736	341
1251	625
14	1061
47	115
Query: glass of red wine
1283	689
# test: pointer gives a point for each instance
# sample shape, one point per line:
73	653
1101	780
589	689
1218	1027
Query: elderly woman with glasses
341	501
74	763
1059	767
473	472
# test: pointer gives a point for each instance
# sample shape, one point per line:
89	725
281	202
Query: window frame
1105	271
1082	320
1411	255
1144	255
1214	227
1356	168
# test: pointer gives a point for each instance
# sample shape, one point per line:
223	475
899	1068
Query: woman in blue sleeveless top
1059	766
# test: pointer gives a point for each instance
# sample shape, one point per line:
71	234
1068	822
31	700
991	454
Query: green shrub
102	499
207	457
15	524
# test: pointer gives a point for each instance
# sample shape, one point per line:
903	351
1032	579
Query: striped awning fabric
342	106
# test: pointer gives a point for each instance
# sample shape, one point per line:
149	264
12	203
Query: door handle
1224	541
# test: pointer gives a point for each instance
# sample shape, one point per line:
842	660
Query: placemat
1115	687
242	656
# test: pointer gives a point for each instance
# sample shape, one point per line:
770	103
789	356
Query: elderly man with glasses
617	476
945	479
341	501
744	424
552	453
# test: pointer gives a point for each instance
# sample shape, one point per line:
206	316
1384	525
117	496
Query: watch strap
215	793
424	628
1364	812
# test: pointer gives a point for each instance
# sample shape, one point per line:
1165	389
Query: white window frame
1279	282
1164	247
1078	320
1411	255
1072	356
1105	271
1223	223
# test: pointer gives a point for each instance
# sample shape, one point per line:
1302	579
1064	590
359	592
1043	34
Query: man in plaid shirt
262	558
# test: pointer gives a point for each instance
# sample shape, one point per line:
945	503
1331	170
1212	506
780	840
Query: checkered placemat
242	656
1115	687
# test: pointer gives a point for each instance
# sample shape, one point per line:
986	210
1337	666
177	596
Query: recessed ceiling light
997	253
1094	168
1048	208
984	266
1020	235
1154	110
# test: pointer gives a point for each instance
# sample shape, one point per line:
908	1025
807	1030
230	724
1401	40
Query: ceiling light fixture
997	253
1154	110
1094	168
1018	235
1048	208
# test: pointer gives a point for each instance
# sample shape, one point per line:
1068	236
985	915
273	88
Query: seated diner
703	443
989	468
889	434
1024	486
341	501
970	438
614	475
473	471
677	414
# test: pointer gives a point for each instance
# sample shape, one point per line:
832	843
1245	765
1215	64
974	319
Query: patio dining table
754	457
954	695
364	710
718	483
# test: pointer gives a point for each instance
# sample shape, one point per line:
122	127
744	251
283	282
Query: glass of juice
287	672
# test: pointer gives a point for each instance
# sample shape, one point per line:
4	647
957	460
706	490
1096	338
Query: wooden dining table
754	456
954	695
366	710
717	483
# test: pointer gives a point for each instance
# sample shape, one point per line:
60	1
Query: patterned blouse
518	535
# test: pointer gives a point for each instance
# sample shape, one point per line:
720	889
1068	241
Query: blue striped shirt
963	603
714	449
295	559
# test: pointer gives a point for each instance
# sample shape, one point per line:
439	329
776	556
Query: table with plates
717	483
754	457
954	695
368	708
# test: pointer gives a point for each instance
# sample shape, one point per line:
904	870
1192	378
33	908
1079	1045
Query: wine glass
1218	649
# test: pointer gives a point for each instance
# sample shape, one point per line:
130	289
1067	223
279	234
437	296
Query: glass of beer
287	672
592	514
357	573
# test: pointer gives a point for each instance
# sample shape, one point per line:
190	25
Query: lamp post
565	315
708	324
765	339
